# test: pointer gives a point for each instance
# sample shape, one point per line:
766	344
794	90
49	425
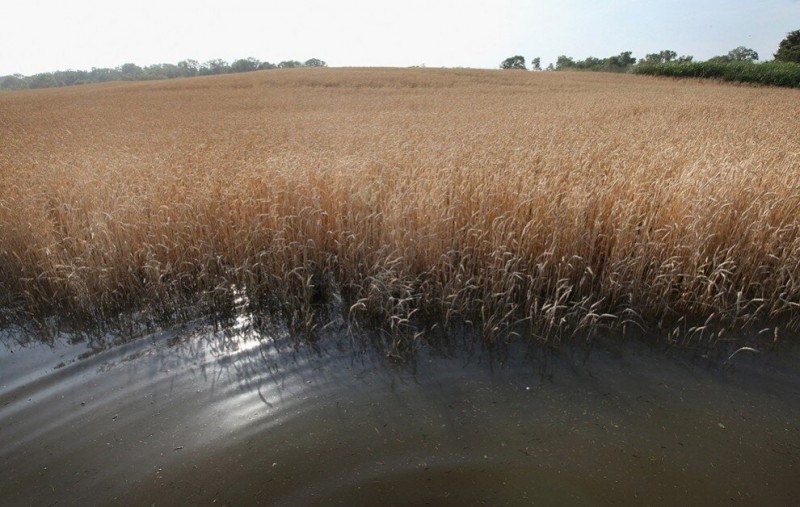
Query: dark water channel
234	418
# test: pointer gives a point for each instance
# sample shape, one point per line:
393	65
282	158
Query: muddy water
238	418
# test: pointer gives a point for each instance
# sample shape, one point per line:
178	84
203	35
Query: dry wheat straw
559	202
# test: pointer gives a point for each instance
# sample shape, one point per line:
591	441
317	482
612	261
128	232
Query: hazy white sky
46	35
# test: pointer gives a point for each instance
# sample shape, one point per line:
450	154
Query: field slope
553	202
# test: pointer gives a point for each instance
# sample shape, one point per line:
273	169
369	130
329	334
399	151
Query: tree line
624	61
788	52
133	72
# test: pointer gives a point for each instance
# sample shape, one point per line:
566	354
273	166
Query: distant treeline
133	72
625	62
618	63
738	65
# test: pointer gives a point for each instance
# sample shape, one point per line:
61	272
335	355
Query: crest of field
407	199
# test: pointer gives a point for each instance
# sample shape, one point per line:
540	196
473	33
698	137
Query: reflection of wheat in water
740	349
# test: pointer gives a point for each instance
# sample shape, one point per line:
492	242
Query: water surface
239	417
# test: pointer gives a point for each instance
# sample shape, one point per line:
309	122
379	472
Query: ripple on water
241	417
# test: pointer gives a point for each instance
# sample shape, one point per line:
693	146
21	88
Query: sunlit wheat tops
552	202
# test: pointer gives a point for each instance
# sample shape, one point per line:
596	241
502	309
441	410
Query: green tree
590	63
15	82
315	62
131	71
513	62
189	68
162	71
564	62
103	74
536	63
289	64
742	54
620	62
71	77
665	56
789	48
245	65
215	67
43	80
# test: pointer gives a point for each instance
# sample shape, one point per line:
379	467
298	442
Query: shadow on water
251	415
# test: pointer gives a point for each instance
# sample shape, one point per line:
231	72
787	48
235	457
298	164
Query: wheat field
407	199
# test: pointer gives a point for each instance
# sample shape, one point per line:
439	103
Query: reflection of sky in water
330	421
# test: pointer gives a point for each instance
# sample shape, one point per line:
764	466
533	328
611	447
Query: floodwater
199	417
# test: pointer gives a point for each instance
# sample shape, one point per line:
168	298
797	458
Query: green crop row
770	73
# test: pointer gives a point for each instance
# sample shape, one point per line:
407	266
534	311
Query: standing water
240	418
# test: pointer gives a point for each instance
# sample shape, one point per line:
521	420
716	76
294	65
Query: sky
48	35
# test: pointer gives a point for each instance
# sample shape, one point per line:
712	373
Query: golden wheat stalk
556	202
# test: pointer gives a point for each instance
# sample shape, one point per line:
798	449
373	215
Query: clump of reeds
549	203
